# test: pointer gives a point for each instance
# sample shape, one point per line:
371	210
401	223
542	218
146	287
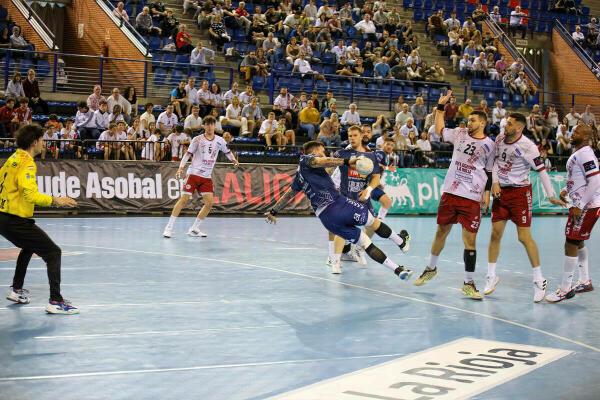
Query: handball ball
364	165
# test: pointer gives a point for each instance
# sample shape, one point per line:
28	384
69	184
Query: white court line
297	248
587	346
218	366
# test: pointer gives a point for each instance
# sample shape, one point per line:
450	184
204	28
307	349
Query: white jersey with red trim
177	150
581	166
515	160
204	155
466	176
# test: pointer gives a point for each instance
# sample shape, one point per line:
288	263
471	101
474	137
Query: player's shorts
175	159
514	204
581	229
377	193
453	209
343	217
195	183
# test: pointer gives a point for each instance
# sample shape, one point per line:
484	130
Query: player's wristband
440	107
272	212
369	190
346	162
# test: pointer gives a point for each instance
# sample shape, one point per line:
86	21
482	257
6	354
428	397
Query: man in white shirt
516	22
465	67
269	129
167	120
193	121
246	96
147	117
115	99
573	118
303	66
367	28
284	105
230	94
452	21
310	10
578	36
205	99
192	92
498	113
563	137
291	22
409	127
202	56
350	117
102	117
403	115
339	51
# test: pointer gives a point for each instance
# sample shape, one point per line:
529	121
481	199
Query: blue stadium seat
155	43
517	100
525	4
43	68
334	86
490	97
239	35
406	4
160	76
532	100
156	60
328	58
373	89
476	84
409	92
182	61
258	82
26	65
176	77
168	60
585	11
283	81
321	86
295	84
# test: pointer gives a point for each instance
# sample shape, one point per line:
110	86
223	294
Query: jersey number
504	156
470	150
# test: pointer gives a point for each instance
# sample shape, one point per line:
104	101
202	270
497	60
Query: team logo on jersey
538	161
14	164
188	186
588	166
518	152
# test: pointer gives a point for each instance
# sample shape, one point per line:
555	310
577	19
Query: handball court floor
252	312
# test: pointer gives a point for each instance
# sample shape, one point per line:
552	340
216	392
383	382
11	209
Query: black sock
346	248
470	259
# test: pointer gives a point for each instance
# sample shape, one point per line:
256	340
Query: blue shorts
342	218
377	193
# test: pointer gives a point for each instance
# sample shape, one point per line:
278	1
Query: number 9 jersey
471	159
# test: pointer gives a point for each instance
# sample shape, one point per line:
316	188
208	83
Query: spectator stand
130	32
589	58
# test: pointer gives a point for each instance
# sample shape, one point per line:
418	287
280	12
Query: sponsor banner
130	186
414	190
456	370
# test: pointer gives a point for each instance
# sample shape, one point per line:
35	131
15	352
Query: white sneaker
329	262
167	232
61	307
196	233
361	255
490	284
539	290
560	295
350	256
336	268
19	296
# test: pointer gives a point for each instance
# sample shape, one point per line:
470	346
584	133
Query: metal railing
581	53
128	30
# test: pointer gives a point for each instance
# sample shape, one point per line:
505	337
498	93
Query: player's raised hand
496	190
235	163
270	218
557	202
179	173
445	97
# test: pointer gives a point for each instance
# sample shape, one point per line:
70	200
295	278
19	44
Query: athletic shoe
360	254
425	277
19	296
539	290
583	287
403	273
560	295
196	233
470	290
350	256
336	268
490	284
61	307
167	232
406	237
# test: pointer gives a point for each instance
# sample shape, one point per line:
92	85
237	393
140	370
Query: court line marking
197	368
264	267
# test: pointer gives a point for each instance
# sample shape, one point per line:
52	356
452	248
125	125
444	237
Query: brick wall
100	30
569	74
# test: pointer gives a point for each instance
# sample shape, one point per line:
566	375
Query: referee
18	196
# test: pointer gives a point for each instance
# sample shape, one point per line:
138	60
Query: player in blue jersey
338	214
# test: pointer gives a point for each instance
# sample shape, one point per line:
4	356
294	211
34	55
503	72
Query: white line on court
297	248
218	366
587	346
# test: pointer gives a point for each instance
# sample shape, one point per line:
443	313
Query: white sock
491	269
197	223
568	270
394	237
582	258
390	264
171	222
335	258
433	261
468	276
382	213
331	247
537	274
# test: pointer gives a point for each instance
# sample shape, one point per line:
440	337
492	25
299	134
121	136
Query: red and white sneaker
20	296
560	295
583	287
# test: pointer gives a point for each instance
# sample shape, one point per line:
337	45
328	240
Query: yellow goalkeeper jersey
18	187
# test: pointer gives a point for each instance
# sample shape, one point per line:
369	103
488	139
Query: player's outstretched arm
549	190
271	215
440	123
325	162
184	161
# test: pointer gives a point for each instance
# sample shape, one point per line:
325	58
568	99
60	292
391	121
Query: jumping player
204	150
583	187
466	188
338	214
511	189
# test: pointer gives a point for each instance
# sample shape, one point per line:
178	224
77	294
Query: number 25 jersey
471	159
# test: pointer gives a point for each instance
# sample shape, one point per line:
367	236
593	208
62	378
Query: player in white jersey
466	188
583	188
177	139
204	150
511	189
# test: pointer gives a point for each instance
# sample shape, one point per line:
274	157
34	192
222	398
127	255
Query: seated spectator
367	28
303	67
480	67
230	93
106	142
414	72
252	117
204	96
350	117
116	98
573	118
167	120
85	122
143	23
288	134
94	99
551	117
498	113
284	105
310	119
291	22
233	115
14	88
452	22
102	117
496	16
262	62
522	85
120	13
23	112
403	115
591	39
18	42
437	73
588	115
425	153
436	24
257	33
130	95
307	51
190	5
116	115
269	129
51	144
418	110
183	41
380	126
465	67
69	133
218	33
409	127
270	45
147	117
217	98
578	36
464	110
247	95
401	147
292	51
310	11
563	138
331	110
382	69
168	25
8	119
193	121
329	134
4	38
469	24
516	22
249	66
179	100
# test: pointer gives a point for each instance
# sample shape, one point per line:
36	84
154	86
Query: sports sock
568	270
331	248
470	259
537	274
394	237
469	276
582	258
390	264
491	269
433	261
347	248
171	222
382	213
197	223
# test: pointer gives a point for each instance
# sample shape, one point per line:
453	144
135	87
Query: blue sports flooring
252	311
